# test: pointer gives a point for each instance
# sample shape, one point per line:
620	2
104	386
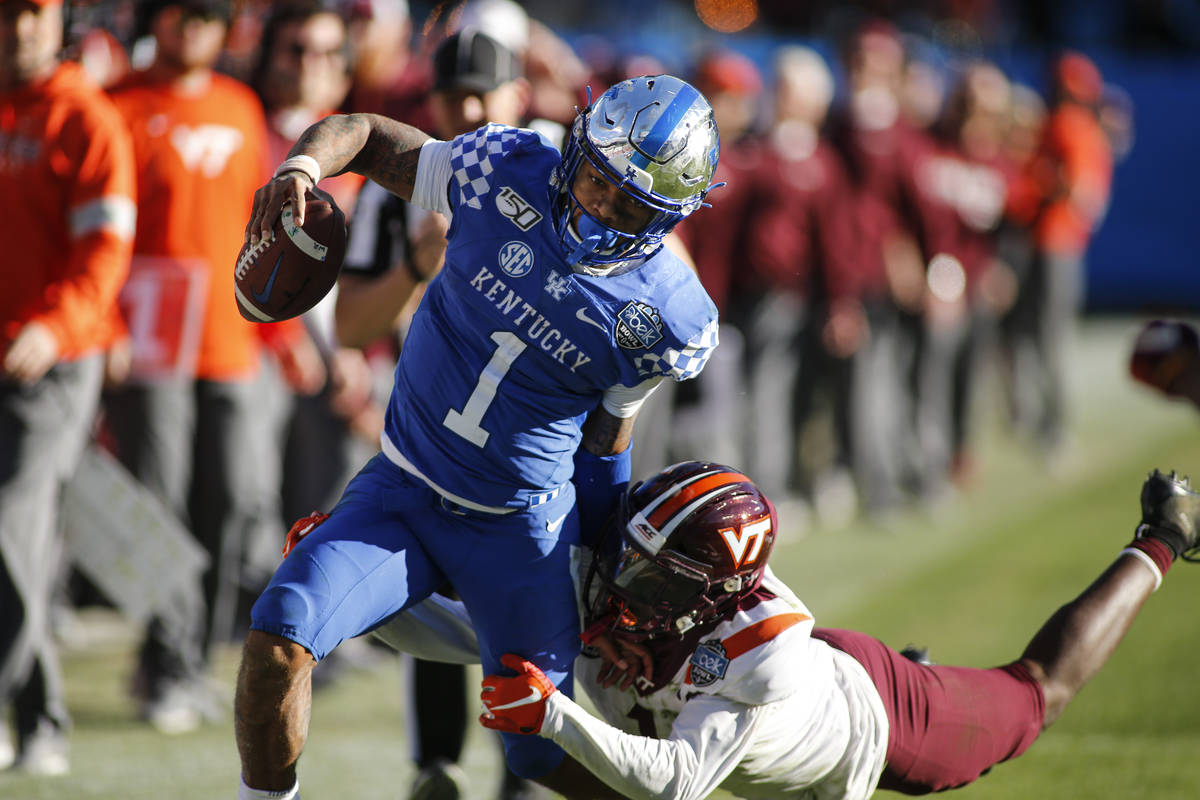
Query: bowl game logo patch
708	663
639	326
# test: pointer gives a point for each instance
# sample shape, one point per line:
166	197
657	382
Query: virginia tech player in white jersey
732	714
710	672
741	697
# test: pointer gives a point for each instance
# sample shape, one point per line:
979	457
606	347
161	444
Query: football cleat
1171	514
43	752
441	780
8	753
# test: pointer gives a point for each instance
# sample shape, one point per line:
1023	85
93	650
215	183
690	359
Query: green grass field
972	582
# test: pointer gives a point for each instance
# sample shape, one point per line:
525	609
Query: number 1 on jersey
466	422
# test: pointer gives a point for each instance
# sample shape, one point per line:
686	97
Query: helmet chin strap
600	626
589	237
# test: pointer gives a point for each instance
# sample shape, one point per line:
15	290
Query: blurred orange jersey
200	157
1064	191
66	210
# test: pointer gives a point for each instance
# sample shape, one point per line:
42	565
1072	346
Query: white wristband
246	793
302	163
1148	561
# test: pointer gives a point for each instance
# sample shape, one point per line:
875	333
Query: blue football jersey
511	349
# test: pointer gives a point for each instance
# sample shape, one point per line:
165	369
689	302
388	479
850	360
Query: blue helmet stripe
638	160
666	123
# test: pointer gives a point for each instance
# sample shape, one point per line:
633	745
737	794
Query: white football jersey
760	709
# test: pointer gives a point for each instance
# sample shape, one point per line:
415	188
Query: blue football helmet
654	137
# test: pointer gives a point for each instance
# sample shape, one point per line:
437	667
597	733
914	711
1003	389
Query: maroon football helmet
682	549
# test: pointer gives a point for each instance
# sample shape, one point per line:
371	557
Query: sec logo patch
516	259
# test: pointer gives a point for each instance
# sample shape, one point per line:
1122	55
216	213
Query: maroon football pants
947	725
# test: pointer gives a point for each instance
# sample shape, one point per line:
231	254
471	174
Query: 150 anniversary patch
517	208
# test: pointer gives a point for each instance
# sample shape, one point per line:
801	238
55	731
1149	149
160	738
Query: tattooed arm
605	434
382	149
599	480
608	429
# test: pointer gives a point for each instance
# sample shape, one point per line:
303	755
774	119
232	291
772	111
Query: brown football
287	274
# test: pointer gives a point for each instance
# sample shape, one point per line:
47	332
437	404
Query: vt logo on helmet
655	139
682	550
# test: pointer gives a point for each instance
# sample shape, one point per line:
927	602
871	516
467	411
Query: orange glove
516	704
301	528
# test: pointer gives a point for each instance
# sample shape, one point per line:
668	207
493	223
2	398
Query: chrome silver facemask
653	137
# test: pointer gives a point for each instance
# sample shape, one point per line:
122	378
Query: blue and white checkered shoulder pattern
474	156
682	364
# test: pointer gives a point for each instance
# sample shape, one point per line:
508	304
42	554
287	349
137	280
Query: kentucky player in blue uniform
555	315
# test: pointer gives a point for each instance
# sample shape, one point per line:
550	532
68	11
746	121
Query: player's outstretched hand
623	661
516	704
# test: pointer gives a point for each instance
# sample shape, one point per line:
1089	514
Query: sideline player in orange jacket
67	218
184	419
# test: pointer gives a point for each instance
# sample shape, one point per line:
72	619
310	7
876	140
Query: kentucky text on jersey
538	330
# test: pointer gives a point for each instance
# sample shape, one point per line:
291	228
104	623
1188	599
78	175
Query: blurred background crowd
919	200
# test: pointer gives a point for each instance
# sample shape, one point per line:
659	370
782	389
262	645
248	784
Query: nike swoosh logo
535	696
582	316
552	525
266	292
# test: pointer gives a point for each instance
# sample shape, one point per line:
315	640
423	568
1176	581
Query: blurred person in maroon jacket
964	180
322	417
897	235
1061	197
797	297
710	411
302	75
391	77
